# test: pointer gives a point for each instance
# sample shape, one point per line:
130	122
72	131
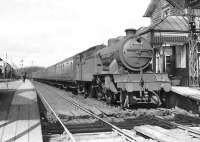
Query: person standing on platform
24	77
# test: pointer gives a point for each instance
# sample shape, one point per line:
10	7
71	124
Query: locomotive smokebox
132	52
130	32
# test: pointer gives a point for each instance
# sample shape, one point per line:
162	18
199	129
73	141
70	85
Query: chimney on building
130	32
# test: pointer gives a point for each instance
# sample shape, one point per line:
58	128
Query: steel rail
114	128
64	127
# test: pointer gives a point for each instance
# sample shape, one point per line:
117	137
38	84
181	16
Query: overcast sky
43	32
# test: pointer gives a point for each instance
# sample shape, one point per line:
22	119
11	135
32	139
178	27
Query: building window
180	56
167	63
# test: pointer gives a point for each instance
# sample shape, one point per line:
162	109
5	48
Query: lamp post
21	63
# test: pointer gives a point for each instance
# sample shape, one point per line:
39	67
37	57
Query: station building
169	35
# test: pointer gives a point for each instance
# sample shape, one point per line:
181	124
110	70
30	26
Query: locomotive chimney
130	32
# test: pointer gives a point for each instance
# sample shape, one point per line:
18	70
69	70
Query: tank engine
119	72
126	74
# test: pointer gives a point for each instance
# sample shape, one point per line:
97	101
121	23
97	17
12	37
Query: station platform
192	93
9	85
20	120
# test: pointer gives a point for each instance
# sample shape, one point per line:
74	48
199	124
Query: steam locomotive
120	72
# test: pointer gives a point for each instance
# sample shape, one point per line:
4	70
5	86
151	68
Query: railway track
114	128
107	126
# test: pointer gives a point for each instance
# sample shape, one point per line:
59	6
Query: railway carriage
118	73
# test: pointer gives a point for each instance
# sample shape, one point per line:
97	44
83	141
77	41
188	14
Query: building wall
172	59
168	53
162	10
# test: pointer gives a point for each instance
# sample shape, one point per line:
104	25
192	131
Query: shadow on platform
23	133
22	99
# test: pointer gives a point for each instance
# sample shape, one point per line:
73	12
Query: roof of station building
168	24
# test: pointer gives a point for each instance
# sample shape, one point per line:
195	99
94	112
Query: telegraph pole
21	61
193	57
6	70
5	67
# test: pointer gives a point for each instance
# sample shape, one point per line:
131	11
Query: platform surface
166	135
21	121
11	85
192	93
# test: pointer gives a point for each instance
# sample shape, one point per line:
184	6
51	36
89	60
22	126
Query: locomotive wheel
99	95
75	92
85	95
96	93
155	98
108	99
79	90
115	98
86	91
92	92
